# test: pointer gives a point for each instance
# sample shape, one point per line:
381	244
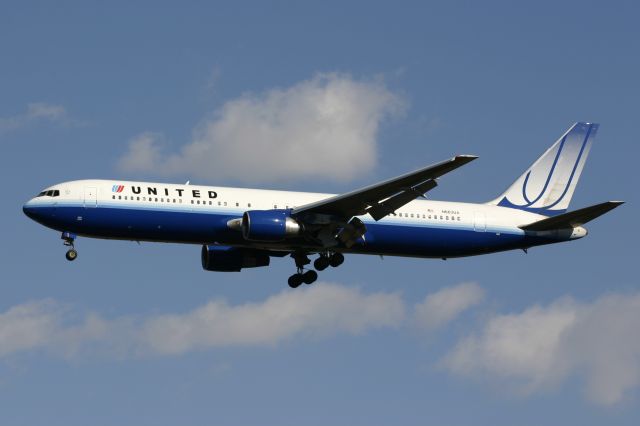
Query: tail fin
548	185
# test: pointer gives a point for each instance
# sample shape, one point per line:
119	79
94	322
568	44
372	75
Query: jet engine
231	259
269	225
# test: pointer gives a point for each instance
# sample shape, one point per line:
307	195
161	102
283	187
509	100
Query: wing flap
393	203
572	219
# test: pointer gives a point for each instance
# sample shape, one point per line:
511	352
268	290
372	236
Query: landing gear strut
300	277
69	238
321	263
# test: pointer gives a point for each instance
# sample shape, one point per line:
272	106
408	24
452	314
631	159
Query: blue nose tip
28	210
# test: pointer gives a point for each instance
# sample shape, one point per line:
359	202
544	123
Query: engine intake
269	225
231	259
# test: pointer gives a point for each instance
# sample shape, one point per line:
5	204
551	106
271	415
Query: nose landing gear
69	238
71	255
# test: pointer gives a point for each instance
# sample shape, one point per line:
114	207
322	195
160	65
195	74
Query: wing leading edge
385	197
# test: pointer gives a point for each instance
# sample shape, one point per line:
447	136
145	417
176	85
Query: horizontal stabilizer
572	219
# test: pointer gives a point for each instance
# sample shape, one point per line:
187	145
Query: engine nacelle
269	225
231	259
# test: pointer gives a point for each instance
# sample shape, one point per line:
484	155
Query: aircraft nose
28	209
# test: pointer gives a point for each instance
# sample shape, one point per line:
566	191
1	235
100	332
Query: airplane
244	228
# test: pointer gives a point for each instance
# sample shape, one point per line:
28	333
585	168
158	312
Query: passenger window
237	204
119	197
113	196
249	205
225	204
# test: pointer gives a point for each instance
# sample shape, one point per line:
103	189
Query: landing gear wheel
321	263
336	260
295	280
71	255
309	277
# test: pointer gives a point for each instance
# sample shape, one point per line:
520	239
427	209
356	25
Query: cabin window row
172	200
275	206
428	216
151	199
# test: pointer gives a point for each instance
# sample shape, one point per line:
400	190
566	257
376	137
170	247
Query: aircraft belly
427	241
211	227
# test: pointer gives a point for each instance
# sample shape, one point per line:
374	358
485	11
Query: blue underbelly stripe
206	227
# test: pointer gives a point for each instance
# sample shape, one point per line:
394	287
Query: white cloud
26	326
544	345
43	324
144	152
321	310
47	111
322	127
318	311
36	112
536	349
445	305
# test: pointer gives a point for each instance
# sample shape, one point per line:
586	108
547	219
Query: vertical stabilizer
548	185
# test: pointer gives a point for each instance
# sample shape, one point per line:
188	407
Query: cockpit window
50	193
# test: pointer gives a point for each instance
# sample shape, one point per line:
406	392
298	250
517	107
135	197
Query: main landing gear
321	263
69	238
300	277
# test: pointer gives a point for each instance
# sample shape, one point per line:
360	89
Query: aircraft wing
385	197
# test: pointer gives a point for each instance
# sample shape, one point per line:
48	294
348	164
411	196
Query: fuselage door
479	222
90	197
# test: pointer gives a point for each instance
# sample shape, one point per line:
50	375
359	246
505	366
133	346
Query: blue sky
550	336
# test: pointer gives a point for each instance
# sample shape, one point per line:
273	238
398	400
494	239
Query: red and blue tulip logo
117	188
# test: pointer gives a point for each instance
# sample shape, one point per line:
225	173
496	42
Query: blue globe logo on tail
548	185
